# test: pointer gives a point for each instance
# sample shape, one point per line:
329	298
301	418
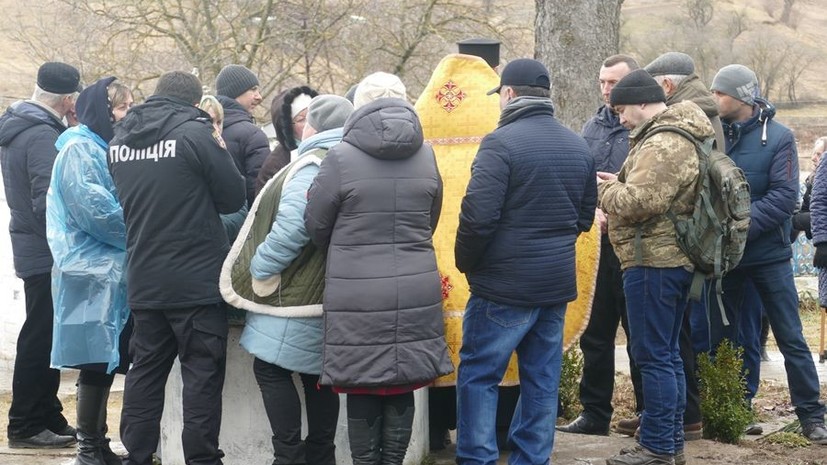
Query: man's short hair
620	58
530	91
180	85
49	98
675	78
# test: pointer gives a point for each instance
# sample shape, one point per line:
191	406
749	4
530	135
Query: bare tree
328	44
573	37
699	11
787	11
794	67
766	55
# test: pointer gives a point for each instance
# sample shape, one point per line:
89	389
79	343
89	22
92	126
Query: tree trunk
786	12
573	37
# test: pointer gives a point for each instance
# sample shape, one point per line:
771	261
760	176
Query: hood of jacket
150	122
685	115
692	88
387	128
233	111
21	116
762	113
281	113
524	107
80	130
94	110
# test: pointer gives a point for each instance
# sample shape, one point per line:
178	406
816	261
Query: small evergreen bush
724	408
570	375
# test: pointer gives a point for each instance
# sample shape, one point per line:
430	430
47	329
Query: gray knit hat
637	87
738	82
328	112
671	63
234	80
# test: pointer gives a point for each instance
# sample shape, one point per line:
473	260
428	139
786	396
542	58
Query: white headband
301	102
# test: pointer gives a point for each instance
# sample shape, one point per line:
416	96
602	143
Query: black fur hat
281	113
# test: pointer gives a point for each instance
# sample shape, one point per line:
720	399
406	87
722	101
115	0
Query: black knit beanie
234	80
637	87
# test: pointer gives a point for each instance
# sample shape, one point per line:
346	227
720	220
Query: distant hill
649	24
652	23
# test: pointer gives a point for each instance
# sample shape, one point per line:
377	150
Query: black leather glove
820	257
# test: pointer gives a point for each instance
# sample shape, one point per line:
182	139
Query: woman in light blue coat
87	237
285	345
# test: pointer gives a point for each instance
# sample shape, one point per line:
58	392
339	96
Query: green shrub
570	383
724	408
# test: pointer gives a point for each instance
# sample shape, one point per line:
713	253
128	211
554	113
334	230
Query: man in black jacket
174	179
609	144
237	90
533	190
28	131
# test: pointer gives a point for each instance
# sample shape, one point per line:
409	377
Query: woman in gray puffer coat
374	206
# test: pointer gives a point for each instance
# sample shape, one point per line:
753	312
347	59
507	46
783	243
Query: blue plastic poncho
87	236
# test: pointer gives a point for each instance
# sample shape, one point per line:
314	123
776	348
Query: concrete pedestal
245	432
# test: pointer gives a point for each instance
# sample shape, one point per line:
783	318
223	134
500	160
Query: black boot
89	427
109	456
396	434
364	441
288	452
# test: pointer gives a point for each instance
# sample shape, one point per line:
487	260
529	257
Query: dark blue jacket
607	139
27	150
532	191
245	141
818	205
765	150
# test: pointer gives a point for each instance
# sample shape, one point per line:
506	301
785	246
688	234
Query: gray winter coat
374	206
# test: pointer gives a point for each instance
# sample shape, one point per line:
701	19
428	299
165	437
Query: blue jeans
656	299
775	287
491	332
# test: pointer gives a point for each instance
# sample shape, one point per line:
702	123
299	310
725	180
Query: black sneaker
583	425
42	440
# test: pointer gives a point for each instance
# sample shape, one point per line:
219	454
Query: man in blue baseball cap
533	190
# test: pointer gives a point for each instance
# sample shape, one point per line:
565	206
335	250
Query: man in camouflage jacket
659	175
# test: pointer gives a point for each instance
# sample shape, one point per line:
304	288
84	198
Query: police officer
174	179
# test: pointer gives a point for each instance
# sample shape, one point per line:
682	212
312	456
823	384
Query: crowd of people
135	226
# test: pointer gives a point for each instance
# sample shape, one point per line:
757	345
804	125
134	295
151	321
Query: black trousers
34	405
692	414
283	407
198	336
598	341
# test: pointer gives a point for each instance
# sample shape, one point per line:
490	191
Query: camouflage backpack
715	235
